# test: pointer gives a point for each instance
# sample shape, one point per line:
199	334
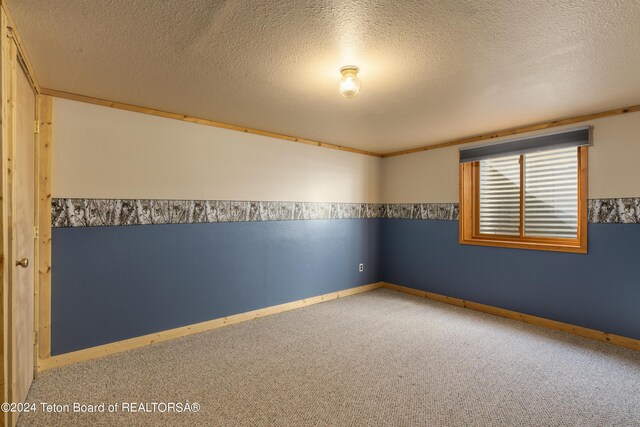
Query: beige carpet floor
374	359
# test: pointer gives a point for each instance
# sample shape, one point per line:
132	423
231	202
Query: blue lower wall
599	290
114	283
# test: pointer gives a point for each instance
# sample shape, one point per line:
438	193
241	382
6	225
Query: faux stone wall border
114	212
109	212
614	211
600	211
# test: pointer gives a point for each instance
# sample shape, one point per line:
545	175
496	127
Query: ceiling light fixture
350	83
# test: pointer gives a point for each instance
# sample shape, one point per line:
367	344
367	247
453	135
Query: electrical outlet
361	268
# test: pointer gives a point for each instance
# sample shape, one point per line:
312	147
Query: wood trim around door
5	205
12	62
43	301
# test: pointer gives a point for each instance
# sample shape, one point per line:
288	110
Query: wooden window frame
470	214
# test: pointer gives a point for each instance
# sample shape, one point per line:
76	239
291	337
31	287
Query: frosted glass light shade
350	83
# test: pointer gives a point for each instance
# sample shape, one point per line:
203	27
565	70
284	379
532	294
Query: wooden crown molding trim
619	340
517	130
201	121
145	340
461	141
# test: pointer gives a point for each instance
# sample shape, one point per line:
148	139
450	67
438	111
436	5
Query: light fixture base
351	68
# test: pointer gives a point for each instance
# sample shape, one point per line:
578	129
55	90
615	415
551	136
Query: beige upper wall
102	152
432	176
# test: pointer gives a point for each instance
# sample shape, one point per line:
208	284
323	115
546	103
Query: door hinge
36	231
35	337
37	127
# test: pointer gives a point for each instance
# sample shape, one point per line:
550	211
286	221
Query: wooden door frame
13	56
43	202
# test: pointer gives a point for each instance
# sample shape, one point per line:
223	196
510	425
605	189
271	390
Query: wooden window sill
518	244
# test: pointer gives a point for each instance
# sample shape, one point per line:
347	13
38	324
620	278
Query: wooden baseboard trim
145	340
619	340
137	342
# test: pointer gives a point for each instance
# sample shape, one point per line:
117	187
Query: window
529	193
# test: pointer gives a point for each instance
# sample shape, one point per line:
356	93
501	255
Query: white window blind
500	196
551	193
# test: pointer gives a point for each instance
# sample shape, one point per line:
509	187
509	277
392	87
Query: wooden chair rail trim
619	340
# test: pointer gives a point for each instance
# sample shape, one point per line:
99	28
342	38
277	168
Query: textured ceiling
431	70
